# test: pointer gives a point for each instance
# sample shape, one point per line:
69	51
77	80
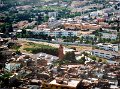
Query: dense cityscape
59	44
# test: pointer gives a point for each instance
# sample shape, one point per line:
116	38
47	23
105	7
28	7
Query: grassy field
31	47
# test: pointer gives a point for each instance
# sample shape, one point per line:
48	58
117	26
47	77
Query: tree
23	33
46	18
100	60
4	80
80	85
49	38
82	60
70	56
81	39
85	53
63	37
118	36
93	58
116	7
6	27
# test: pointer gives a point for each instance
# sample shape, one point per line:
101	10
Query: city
59	44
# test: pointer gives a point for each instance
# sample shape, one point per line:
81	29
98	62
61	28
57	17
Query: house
106	54
43	58
108	47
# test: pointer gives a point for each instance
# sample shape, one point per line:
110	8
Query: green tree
82	60
100	60
81	39
23	33
70	56
118	36
85	53
93	58
46	18
6	27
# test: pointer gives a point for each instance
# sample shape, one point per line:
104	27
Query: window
95	52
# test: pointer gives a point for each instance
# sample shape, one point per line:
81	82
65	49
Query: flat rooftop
71	83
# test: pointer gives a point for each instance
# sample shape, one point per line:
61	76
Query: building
53	14
106	54
12	66
88	36
53	23
108	47
81	26
110	30
43	58
109	36
66	50
25	7
58	33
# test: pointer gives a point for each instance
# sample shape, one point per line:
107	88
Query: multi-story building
81	26
88	36
55	33
106	54
108	47
109	36
53	14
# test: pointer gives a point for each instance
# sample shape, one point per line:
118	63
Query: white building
108	47
12	66
58	33
110	30
88	35
47	57
106	54
109	36
53	14
66	50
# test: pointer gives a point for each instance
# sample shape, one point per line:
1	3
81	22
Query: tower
60	52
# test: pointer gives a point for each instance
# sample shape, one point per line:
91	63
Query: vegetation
6	28
36	48
70	38
70	56
82	60
28	34
93	58
7	82
16	47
